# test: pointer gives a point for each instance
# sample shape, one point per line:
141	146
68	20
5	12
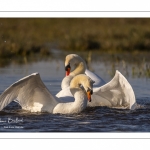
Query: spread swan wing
98	80
29	92
118	92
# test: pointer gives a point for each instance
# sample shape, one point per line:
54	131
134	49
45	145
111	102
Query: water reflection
134	65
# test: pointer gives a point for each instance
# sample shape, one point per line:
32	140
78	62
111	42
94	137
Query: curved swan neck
79	94
77	106
66	81
80	102
79	69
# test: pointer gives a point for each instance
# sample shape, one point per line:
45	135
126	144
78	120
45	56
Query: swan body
117	93
31	93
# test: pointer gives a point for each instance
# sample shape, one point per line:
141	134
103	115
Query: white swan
78	66
31	93
117	93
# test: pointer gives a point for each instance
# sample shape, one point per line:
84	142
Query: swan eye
80	85
67	67
89	90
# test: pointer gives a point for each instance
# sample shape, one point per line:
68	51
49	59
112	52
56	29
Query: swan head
73	61
67	69
85	83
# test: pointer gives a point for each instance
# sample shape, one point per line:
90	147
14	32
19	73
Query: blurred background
123	42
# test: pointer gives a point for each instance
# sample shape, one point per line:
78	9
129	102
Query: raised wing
118	92
31	94
98	80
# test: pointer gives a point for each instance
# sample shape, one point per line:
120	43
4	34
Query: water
98	119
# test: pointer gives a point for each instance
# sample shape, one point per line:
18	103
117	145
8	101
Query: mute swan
32	95
78	66
117	93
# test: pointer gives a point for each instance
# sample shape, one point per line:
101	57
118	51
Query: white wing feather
98	80
29	91
118	92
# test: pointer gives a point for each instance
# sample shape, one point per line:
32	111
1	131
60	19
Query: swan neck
66	81
80	102
79	69
77	106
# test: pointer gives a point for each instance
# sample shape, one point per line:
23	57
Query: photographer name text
11	120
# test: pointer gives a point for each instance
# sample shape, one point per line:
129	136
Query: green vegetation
24	37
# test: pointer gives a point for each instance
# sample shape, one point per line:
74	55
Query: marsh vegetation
121	40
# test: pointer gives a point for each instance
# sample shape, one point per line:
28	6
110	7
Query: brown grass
27	36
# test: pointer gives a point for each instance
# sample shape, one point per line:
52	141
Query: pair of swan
117	93
78	88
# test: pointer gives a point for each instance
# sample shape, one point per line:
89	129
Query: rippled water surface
98	119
